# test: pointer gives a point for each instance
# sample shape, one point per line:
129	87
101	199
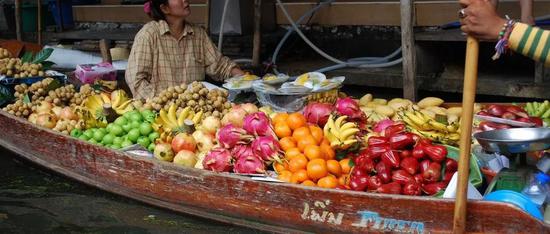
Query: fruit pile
309	159
401	163
4	53
133	127
195	96
14	67
509	112
246	150
441	131
540	110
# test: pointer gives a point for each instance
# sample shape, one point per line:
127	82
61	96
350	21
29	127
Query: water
33	200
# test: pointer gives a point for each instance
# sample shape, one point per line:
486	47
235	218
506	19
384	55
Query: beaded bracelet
502	45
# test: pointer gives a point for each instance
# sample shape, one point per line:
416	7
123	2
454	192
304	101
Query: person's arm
218	66
140	67
531	41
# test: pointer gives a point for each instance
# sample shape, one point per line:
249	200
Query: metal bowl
514	140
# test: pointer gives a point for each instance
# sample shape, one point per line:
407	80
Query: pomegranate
204	141
235	117
46	120
44	107
230	135
318	113
210	125
249	165
218	159
267	148
183	141
163	151
57	111
249	108
67	114
258	124
185	158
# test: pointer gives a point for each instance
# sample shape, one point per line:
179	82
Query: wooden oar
468	99
39	23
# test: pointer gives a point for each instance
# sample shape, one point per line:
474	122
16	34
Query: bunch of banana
424	125
341	134
90	121
118	100
173	121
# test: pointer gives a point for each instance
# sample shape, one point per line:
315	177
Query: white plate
504	121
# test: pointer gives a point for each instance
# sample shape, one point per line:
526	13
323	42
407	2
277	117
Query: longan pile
4	53
66	126
14	67
19	109
212	102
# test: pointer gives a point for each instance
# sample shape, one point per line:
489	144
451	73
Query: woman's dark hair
156	13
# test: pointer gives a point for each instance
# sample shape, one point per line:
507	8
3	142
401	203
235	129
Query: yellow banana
452	128
422	116
419	122
453	136
437	126
344	135
172	114
335	144
191	115
347	125
105	98
166	120
123	105
349	142
116	99
335	133
183	115
331	138
339	121
128	108
198	117
328	125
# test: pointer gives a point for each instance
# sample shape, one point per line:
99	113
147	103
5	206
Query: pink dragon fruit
267	148
348	106
258	124
249	165
218	159
242	150
228	136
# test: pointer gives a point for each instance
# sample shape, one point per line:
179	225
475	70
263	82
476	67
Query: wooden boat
242	201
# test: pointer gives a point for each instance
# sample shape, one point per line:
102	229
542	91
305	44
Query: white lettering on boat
321	215
372	220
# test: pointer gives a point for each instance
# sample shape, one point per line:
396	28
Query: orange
280	117
344	164
317	169
280	167
309	183
327	182
308	140
334	167
313	152
292	153
317	133
328	152
282	130
343	179
285	176
300	133
296	120
287	143
325	141
297	163
299	176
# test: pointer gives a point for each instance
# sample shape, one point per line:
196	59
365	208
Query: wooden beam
39	22
257	41
127	13
18	19
409	53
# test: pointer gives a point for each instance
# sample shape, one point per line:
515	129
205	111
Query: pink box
88	73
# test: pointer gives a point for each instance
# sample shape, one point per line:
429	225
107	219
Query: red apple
183	141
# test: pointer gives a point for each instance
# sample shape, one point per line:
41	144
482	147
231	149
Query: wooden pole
257	43
207	16
18	19
39	23
468	99
409	53
104	48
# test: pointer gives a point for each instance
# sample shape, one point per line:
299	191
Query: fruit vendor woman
170	51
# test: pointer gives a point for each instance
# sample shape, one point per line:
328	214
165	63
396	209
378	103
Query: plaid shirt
158	60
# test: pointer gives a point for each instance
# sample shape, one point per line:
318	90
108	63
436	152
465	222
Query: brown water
33	200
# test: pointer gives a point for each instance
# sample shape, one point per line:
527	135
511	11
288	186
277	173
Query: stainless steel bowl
514	140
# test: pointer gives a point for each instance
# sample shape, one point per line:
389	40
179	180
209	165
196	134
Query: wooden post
104	46
407	44
207	16
468	99
257	43
18	20
39	23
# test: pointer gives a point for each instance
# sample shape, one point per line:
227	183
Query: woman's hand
237	72
480	19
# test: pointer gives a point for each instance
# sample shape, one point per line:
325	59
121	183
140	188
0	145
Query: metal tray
514	140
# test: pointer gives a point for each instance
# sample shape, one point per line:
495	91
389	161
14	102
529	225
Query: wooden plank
409	54
127	13
18	29
257	39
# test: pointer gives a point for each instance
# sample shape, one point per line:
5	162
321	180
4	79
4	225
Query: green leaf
27	57
26	99
53	85
46	65
42	55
